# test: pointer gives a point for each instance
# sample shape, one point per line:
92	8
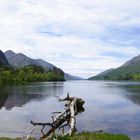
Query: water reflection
131	90
134	95
17	96
3	98
109	106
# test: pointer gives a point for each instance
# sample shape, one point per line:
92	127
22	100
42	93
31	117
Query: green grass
95	136
86	136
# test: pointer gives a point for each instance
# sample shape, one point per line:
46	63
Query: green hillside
129	71
29	74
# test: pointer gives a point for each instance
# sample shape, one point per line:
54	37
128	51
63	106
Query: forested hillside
28	74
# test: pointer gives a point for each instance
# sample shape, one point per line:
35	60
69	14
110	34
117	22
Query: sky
82	37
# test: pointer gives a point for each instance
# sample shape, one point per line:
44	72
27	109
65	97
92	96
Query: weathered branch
74	105
42	124
68	98
72	116
30	132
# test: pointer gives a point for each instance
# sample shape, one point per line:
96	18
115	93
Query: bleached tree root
73	106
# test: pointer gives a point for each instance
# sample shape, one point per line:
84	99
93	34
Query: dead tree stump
67	117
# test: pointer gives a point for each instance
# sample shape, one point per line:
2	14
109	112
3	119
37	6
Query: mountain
128	71
101	75
72	77
3	60
133	61
19	60
105	72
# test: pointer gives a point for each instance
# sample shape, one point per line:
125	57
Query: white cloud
87	32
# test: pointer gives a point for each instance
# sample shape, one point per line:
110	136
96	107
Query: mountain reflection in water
113	107
17	96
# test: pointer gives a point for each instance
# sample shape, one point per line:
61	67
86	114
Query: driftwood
73	106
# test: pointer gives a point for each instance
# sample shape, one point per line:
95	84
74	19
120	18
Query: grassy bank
87	136
94	136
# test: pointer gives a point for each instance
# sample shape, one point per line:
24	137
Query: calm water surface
109	106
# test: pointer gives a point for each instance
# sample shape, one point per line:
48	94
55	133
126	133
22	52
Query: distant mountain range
72	77
3	60
19	60
124	72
